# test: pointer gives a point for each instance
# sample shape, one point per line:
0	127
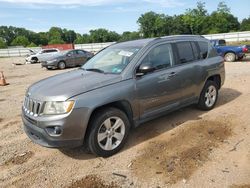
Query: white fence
95	47
231	37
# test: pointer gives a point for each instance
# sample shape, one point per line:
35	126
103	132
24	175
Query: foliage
193	21
245	24
32	44
2	43
20	41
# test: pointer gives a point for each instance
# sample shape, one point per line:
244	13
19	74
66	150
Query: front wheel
209	96
109	131
61	65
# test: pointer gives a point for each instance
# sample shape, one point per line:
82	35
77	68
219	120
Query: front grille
32	107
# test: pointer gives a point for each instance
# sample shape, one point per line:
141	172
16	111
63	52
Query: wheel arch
216	78
122	105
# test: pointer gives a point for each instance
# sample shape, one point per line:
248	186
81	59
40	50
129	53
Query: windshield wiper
95	70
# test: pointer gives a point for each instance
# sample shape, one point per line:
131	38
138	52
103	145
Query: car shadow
159	125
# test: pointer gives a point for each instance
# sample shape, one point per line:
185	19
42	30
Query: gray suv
121	87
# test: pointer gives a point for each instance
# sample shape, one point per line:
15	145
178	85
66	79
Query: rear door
81	57
189	60
71	58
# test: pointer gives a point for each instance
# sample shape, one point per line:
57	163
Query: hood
65	85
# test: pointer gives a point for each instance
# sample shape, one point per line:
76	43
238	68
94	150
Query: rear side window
185	52
80	52
49	51
203	49
195	50
159	57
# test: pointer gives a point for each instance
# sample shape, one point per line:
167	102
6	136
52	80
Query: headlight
52	108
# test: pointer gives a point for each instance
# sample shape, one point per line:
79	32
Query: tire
103	136
230	57
208	96
240	58
61	65
34	60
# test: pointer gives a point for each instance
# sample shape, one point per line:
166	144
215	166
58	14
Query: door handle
172	74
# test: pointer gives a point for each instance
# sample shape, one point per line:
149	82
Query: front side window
112	60
185	52
159	57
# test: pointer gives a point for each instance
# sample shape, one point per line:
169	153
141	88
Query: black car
67	58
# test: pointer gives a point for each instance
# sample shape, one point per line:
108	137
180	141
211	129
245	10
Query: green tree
177	26
82	39
195	18
222	21
127	35
43	38
147	23
32	44
2	43
103	35
20	41
69	36
55	34
56	41
245	24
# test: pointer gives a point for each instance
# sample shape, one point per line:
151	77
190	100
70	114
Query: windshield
111	60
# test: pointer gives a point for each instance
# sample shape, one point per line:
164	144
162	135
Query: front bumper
48	65
72	125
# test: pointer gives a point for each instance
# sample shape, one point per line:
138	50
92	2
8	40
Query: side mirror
144	69
69	55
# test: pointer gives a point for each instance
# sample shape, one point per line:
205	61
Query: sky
84	15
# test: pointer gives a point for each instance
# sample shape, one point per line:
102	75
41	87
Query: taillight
244	49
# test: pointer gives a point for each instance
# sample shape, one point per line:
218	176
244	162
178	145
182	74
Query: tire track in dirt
91	181
178	157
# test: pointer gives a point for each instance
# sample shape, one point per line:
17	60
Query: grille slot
32	107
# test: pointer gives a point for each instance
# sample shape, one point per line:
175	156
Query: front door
159	90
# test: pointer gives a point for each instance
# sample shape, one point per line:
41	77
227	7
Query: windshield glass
111	60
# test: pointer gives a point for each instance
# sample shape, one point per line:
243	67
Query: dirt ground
187	148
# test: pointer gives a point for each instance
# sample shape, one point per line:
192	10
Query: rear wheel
209	96
109	131
230	57
61	65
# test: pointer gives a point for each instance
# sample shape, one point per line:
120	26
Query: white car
35	58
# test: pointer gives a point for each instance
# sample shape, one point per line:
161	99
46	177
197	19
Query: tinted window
72	53
204	49
195	50
81	52
212	51
159	57
222	43
185	52
49	51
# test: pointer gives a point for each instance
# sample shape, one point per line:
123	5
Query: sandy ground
187	148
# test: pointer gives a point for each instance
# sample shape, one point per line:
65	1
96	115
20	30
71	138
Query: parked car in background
67	58
35	58
121	87
230	53
31	52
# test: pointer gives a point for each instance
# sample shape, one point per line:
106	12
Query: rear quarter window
203	49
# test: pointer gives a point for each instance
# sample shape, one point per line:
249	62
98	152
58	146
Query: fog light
57	130
54	131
